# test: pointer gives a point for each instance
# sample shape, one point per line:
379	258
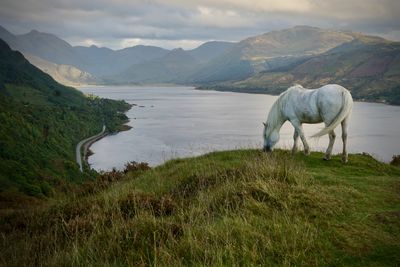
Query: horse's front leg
299	129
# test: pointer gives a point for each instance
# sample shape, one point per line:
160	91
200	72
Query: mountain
299	40
49	52
8	37
268	62
48	47
102	61
64	74
170	68
369	67
96	61
41	122
174	67
210	50
256	54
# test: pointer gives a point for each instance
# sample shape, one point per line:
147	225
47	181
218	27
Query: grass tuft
239	207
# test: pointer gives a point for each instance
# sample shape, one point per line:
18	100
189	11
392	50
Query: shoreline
260	92
86	153
84	142
86	146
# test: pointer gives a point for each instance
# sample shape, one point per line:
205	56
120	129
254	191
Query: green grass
240	207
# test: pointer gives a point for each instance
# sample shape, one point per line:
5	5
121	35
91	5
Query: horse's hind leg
328	153
344	138
295	141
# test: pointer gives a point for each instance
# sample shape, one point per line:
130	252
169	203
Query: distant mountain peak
4	45
36	33
305	27
2	29
177	52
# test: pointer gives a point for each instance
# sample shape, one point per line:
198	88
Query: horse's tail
347	105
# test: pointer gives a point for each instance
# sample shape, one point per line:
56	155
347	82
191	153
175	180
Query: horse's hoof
307	153
326	158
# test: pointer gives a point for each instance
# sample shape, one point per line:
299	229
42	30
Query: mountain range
267	63
100	64
369	67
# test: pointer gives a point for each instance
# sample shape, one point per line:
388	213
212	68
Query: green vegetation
41	123
241	207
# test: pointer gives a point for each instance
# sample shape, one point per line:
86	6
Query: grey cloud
111	22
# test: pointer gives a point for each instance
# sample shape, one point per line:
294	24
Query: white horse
331	104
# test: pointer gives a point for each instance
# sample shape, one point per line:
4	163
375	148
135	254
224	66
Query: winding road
86	141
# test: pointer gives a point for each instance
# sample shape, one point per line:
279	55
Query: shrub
395	160
134	166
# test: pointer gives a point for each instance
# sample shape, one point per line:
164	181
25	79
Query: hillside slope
254	54
48	47
64	74
102	61
96	61
210	50
170	68
230	208
41	122
370	69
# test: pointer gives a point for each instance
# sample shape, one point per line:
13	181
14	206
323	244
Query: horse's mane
275	114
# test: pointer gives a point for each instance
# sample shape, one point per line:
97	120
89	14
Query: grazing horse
331	104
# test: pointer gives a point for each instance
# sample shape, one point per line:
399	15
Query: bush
32	190
134	166
46	189
395	160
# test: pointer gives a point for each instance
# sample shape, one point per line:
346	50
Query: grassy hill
41	122
230	208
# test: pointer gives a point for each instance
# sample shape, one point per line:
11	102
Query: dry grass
227	208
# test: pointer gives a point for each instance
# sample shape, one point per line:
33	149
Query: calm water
170	122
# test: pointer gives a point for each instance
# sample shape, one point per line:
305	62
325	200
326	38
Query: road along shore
86	143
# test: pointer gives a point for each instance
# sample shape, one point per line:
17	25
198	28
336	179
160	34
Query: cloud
118	23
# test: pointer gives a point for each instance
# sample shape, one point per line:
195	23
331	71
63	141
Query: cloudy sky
188	23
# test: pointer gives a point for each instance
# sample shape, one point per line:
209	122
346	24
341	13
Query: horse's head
271	137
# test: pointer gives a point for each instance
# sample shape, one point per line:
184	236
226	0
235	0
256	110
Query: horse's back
332	89
331	93
330	100
301	104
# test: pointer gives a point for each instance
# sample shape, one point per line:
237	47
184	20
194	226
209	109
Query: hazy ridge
268	63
